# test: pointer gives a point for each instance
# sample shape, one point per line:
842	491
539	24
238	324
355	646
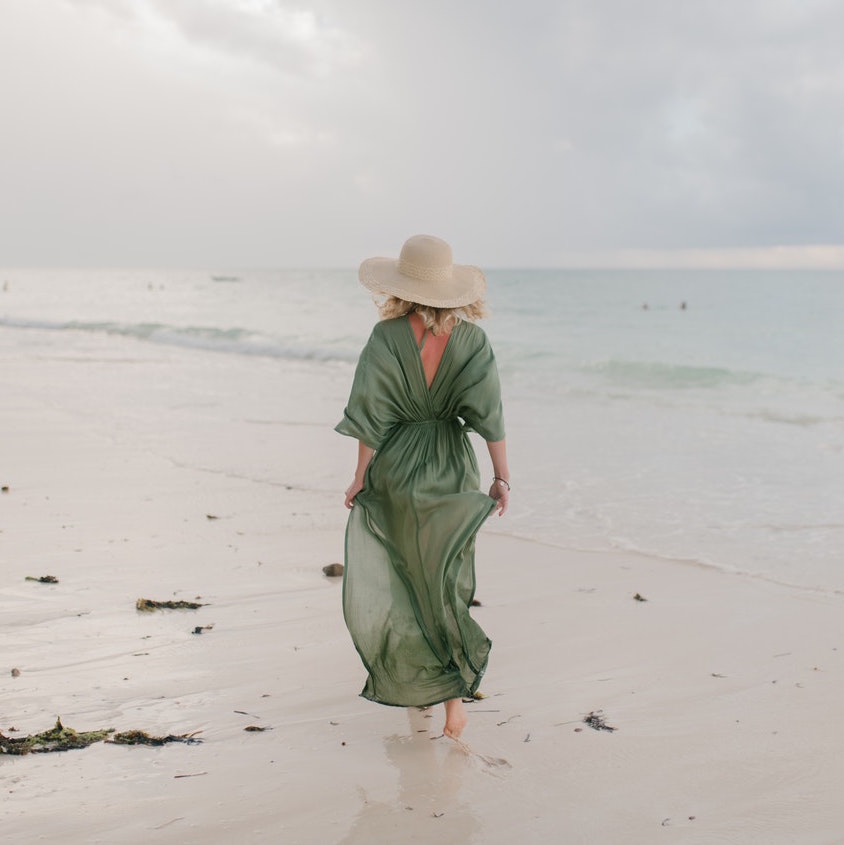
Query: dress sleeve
480	394
369	413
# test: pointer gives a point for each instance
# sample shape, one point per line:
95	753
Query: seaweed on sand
61	738
58	738
143	738
150	604
595	720
43	579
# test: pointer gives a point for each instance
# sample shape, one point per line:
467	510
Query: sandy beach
723	689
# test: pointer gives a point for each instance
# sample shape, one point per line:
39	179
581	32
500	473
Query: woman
426	376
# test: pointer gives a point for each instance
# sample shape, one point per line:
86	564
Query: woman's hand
352	490
365	454
500	489
501	493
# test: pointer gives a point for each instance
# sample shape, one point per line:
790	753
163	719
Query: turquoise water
712	433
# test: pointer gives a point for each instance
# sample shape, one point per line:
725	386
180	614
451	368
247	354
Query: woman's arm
365	454
501	472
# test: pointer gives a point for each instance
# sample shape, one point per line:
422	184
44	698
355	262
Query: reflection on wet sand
427	806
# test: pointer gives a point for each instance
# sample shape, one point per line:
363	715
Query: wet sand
723	689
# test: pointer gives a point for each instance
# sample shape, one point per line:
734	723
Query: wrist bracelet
501	481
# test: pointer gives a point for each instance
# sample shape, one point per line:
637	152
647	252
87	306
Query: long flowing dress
409	577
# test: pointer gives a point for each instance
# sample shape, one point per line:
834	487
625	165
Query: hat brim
466	285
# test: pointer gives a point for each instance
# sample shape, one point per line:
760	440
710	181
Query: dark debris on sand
58	738
150	604
143	738
595	720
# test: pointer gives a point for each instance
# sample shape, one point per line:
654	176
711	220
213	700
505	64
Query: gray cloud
255	132
292	40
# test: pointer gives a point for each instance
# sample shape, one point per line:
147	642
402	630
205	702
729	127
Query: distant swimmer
644	306
683	306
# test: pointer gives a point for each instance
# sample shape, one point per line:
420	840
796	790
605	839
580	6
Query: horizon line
808	257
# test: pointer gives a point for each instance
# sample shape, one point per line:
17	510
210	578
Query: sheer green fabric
410	541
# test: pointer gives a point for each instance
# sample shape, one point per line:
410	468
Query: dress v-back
410	576
431	347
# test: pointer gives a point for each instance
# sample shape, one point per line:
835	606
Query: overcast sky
268	133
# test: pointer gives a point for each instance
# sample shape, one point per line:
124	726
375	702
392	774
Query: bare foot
455	718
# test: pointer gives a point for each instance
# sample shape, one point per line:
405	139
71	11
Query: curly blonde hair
437	320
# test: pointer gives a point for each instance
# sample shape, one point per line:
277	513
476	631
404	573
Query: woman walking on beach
425	377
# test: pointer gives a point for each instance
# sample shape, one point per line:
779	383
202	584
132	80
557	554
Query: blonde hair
437	320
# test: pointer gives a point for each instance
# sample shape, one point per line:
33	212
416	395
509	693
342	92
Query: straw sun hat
424	273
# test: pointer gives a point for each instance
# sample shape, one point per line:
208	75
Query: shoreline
691	563
722	687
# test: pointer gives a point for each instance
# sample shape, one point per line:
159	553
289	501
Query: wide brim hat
424	273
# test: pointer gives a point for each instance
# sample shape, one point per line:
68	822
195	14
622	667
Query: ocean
696	416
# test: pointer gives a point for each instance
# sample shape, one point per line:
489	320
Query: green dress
410	541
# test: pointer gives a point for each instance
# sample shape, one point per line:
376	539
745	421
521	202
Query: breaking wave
234	341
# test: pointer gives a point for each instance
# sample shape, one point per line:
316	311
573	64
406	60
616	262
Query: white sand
725	691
